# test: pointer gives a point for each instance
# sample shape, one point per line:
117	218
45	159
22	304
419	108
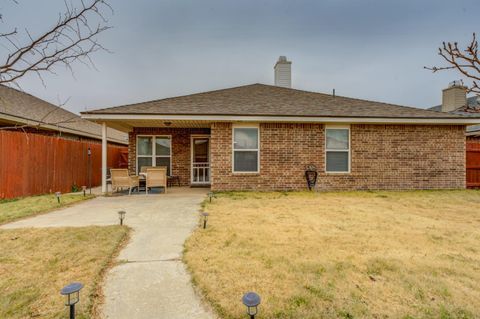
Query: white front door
200	160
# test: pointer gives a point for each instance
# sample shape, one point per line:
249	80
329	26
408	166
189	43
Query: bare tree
73	38
466	61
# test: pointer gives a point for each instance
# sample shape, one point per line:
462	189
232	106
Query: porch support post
104	158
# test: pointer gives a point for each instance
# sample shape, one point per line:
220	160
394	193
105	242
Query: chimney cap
283	60
456	83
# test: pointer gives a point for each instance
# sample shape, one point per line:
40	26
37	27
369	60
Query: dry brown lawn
341	255
14	209
36	263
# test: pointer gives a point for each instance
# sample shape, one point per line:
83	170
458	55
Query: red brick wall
383	157
181	150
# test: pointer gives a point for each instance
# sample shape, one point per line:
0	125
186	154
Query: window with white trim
154	151
246	150
337	149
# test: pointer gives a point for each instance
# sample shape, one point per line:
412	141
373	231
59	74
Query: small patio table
173	179
142	181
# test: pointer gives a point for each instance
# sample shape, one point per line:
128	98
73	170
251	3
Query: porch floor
183	190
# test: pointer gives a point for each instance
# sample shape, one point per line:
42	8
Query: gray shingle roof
267	100
24	108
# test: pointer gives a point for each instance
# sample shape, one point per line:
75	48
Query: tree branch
466	61
71	39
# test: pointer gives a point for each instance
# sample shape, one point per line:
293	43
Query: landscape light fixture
57	195
251	300
121	216
211	195
72	294
205	218
84	188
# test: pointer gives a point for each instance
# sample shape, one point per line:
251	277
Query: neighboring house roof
20	108
268	100
472	110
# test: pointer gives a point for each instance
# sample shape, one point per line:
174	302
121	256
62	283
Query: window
337	150
154	151
245	149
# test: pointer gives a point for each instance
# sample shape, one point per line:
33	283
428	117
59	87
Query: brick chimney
283	72
454	97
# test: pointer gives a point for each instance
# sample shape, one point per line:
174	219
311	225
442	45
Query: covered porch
183	147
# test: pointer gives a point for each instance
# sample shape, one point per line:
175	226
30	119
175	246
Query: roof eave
473	133
97	117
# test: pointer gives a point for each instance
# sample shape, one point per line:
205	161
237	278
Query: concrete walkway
153	282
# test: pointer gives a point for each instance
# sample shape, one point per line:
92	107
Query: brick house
263	136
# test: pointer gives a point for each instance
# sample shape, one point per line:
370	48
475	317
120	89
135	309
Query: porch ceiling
128	125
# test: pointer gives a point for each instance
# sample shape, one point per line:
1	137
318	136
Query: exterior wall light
121	216
251	300
72	294
57	195
205	219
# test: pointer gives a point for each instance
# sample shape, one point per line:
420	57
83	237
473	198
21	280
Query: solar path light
205	219
57	195
121	216
84	189
72	295
211	195
251	300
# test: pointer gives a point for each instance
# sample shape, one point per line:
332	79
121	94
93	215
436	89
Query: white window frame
339	127
154	151
256	126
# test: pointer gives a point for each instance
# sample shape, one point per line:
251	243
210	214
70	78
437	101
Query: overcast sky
371	49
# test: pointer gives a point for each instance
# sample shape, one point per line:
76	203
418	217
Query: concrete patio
150	281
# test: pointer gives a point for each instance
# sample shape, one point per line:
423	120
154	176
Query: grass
14	209
341	255
36	263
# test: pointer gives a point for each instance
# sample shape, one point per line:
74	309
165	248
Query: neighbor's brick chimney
283	72
454	97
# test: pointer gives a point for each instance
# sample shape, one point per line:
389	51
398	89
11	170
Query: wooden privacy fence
473	164
32	164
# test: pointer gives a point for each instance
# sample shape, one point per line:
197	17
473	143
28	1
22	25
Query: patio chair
156	177
121	178
143	169
109	177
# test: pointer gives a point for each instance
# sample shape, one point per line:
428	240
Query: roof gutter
299	119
